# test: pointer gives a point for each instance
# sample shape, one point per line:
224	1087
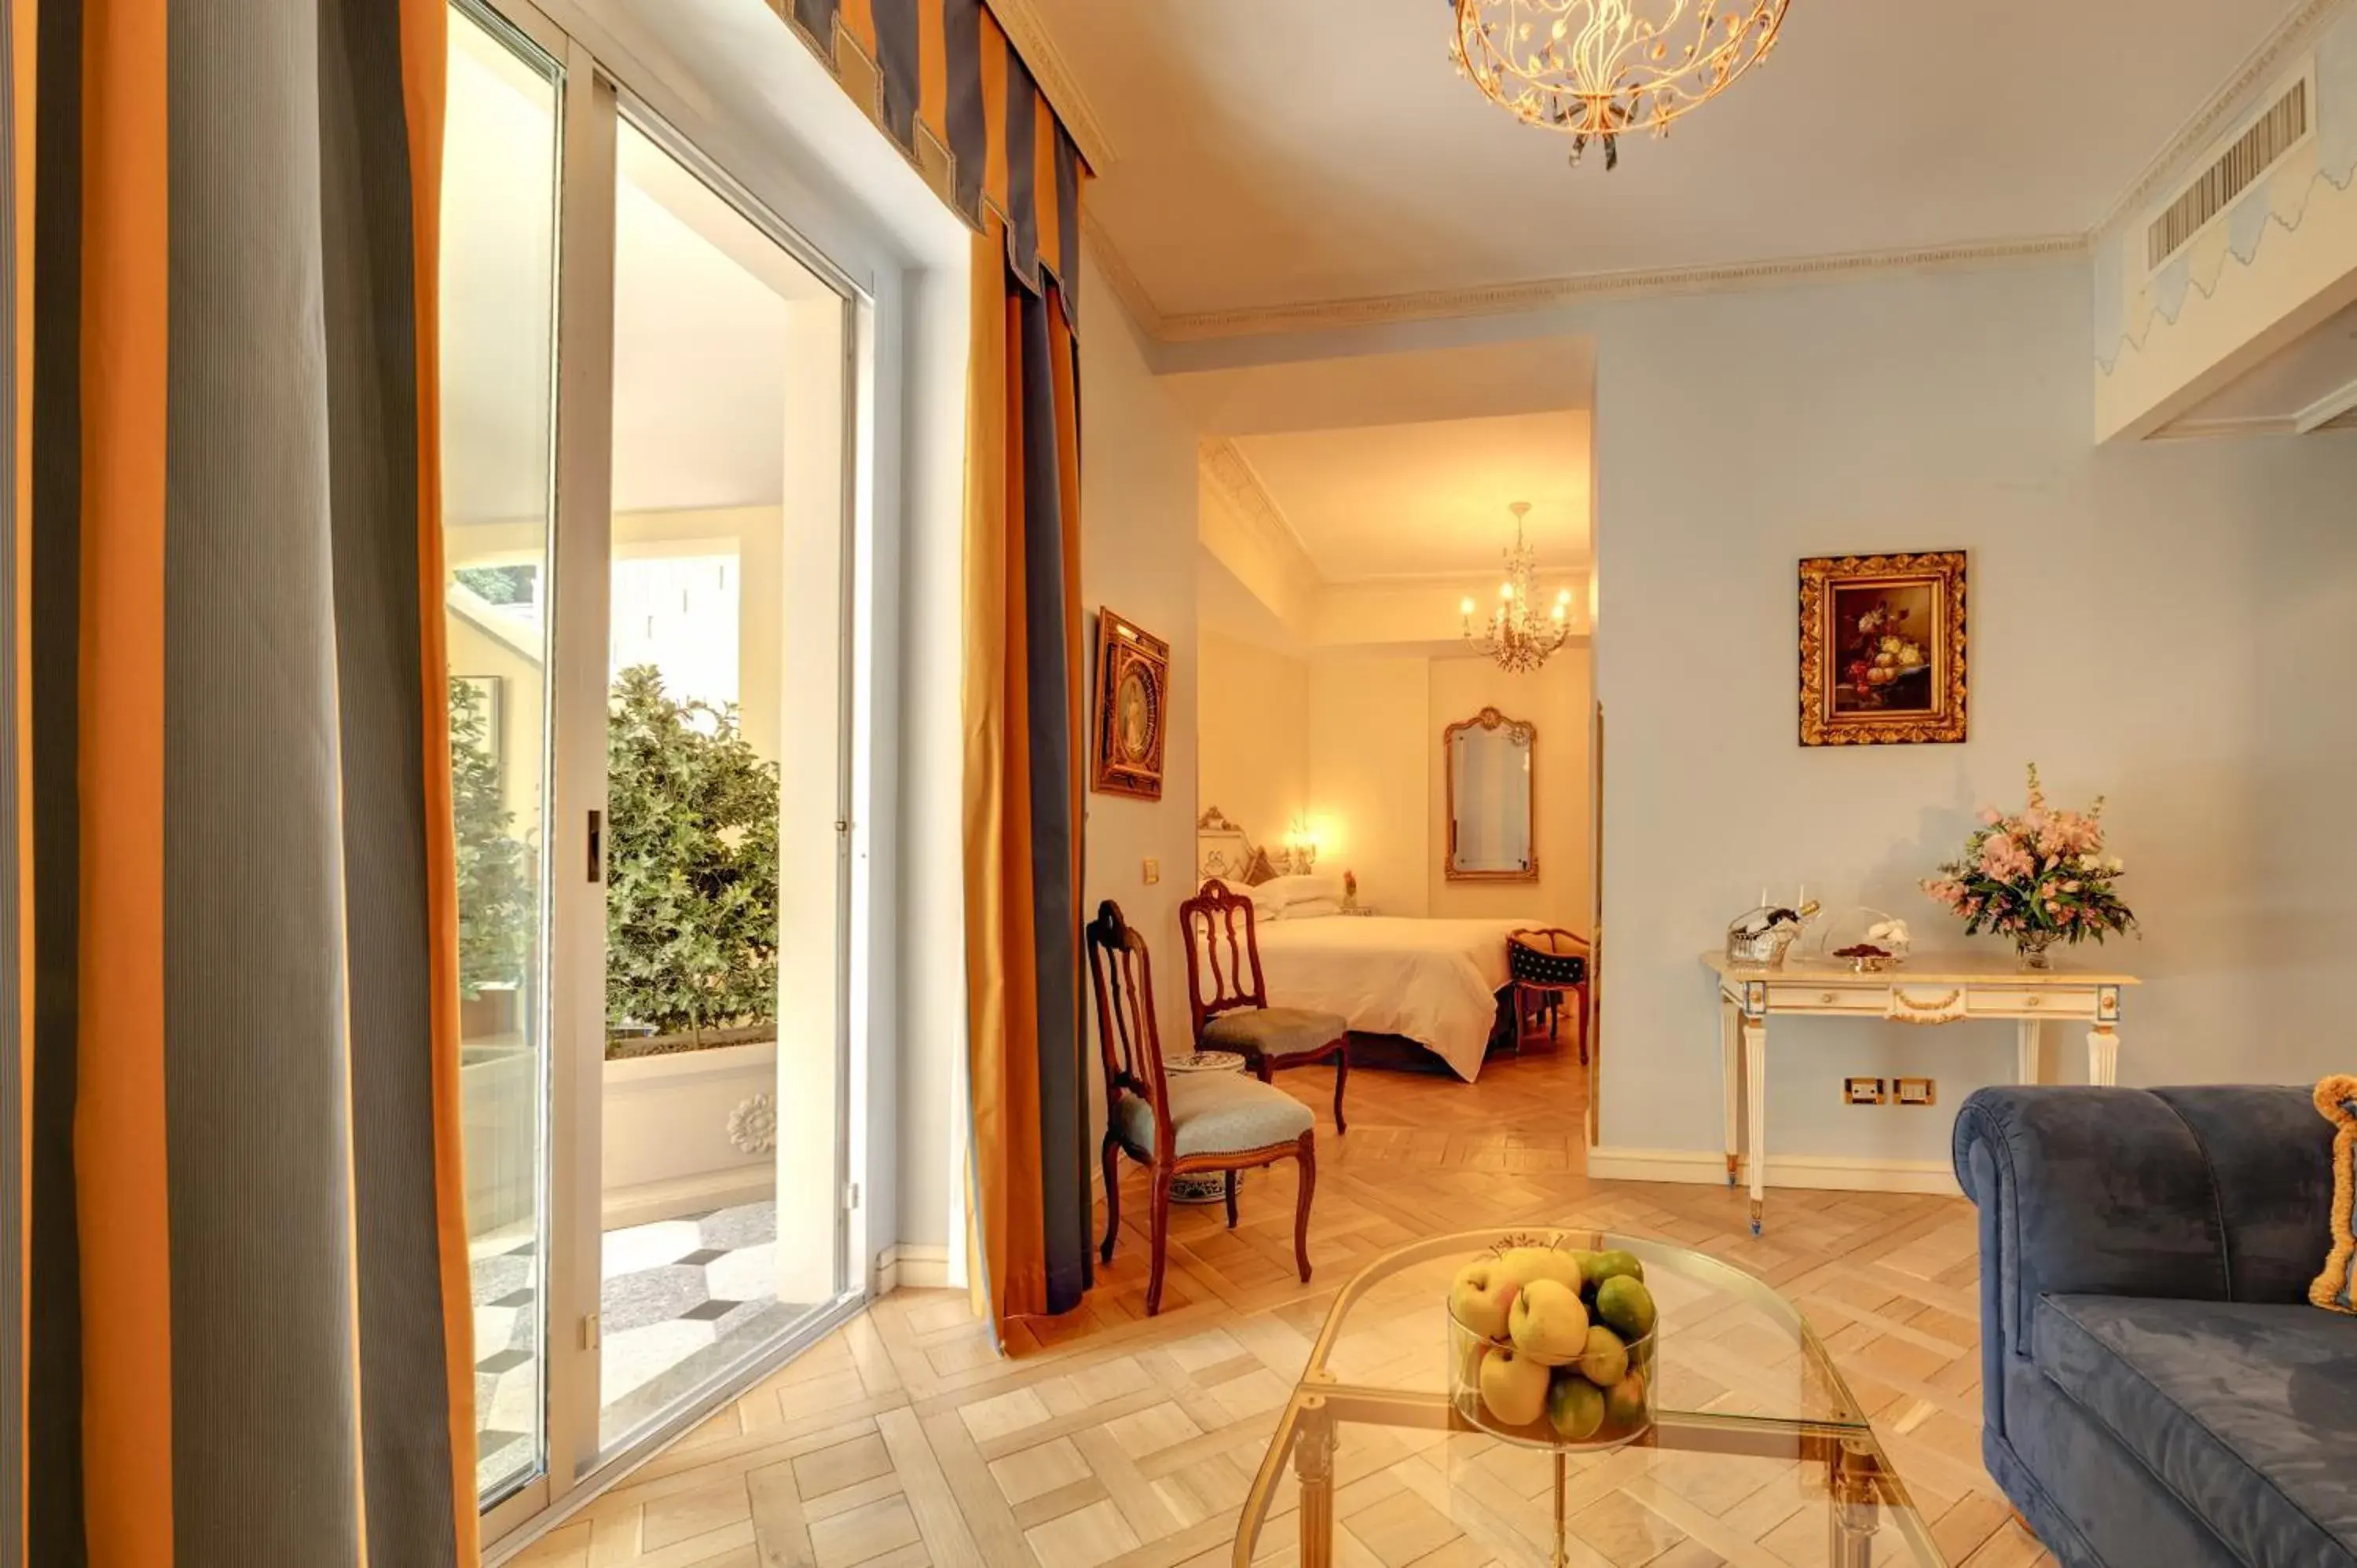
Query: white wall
1369	738
1138	555
1252	755
2166	624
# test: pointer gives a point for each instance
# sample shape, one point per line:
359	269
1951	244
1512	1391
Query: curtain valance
940	79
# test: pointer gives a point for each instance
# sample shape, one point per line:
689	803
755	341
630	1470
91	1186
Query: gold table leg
1313	1465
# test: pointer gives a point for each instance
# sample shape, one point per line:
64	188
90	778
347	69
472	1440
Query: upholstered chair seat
1214	1113
1277	1032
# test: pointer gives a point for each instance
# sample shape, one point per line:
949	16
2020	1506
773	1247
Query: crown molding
1115	268
2269	59
1502	299
1231	477
1027	29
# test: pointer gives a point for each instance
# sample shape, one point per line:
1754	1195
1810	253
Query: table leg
1730	1076
2029	1052
1854	1512
1561	1558
1313	1465
1755	1083
2103	1055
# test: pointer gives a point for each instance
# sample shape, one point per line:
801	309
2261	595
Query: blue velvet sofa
2157	1392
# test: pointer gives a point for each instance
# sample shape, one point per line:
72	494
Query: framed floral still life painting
1133	689
1882	650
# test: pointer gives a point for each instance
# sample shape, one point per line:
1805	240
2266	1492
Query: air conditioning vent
2253	153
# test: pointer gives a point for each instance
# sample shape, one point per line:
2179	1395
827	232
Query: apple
1480	1298
1605	1362
1525	1264
1574	1407
1549	1323
1514	1387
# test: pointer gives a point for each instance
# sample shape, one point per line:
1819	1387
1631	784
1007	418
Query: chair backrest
1122	977
1547	955
1223	954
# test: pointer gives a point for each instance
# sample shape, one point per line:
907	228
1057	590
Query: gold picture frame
1883	650
1132	702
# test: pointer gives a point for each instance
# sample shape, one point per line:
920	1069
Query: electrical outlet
1153	871
1915	1091
1862	1092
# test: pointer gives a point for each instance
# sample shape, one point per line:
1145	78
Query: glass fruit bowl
1552	1345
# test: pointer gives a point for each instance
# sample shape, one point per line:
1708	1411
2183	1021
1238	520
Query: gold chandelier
1517	635
1595	70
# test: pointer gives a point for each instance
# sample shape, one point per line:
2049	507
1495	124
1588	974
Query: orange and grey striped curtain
233	1315
940	79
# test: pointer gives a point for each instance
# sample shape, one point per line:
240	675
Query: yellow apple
1549	1323
1605	1360
1513	1387
1525	1264
1480	1295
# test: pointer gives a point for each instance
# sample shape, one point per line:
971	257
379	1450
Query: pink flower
1990	815
2002	859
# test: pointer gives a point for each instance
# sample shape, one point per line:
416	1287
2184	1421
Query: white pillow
1312	908
1291	890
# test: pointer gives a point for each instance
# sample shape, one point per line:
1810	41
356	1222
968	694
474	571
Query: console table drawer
2037	1000
1792	998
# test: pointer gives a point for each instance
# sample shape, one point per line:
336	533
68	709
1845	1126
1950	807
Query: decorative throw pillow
1258	870
2336	1289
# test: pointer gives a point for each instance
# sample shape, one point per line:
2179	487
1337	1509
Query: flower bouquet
2038	876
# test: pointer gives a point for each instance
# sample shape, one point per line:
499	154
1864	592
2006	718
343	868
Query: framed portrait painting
1883	650
1133	691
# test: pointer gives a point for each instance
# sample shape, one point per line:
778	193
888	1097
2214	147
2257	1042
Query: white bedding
1434	982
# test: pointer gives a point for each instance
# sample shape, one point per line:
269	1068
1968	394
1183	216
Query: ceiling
702	302
1277	153
1429	500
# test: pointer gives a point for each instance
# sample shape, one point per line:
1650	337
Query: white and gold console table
1937	988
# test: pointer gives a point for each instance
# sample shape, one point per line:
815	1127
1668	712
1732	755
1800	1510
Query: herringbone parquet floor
1109	1438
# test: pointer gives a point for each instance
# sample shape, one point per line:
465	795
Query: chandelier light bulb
1466	608
1505	590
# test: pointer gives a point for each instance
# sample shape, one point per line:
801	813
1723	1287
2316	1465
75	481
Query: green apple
1627	1305
1478	1298
1605	1362
1514	1387
1549	1323
1602	1266
1574	1407
1624	1402
1526	1264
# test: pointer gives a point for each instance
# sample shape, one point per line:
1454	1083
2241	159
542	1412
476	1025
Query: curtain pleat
1029	1181
234	1303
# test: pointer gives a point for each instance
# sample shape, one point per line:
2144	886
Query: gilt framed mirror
1491	764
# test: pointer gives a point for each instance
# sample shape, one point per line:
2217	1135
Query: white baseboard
917	1267
670	1199
1833	1173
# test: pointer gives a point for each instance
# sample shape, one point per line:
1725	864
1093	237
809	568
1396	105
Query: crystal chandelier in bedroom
1595	70
1518	635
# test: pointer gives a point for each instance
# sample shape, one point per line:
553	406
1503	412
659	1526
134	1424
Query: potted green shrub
496	896
691	875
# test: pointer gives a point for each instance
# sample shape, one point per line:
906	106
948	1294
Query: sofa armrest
2214	1193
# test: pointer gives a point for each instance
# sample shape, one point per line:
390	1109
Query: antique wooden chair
1198	1124
1548	963
1228	998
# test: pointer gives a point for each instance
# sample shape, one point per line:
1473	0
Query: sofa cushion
1215	1113
2247	1413
1273	1032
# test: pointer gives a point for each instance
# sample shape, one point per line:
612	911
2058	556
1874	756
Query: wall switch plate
1153	871
1861	1091
1915	1091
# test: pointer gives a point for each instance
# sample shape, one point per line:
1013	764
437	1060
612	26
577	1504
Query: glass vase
2036	948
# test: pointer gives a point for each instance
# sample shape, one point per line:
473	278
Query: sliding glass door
646	392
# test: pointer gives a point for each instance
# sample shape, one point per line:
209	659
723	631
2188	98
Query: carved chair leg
1113	1196
1231	1199
1308	1158
1583	1026
1159	1229
1342	1077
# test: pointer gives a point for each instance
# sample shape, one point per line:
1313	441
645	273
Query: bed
1434	982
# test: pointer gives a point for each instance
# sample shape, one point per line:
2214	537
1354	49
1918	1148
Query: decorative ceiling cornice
1503	299
1027	29
2272	57
1232	479
1117	273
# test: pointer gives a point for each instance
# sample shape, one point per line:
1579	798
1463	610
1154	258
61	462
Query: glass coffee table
1758	1454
